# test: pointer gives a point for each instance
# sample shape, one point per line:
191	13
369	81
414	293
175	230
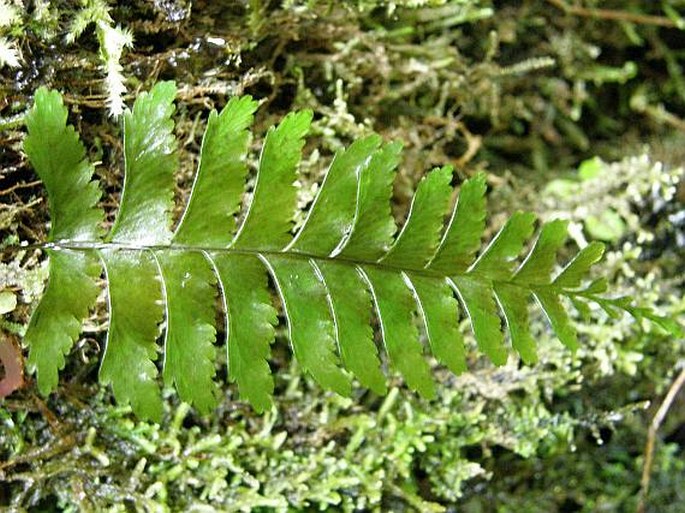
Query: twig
610	14
651	438
48	451
12	121
22	185
661	115
473	145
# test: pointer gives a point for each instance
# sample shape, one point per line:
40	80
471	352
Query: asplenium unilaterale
345	263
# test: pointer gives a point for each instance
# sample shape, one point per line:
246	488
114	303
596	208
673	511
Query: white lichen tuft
9	13
603	198
9	53
113	40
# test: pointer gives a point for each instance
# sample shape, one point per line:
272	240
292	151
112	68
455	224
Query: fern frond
373	225
190	292
59	158
477	298
513	302
573	274
465	229
420	235
150	161
220	179
250	321
439	311
135	310
343	265
56	323
310	325
269	217
331	217
395	308
350	304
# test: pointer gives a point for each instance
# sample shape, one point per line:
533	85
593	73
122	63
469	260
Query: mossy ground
520	89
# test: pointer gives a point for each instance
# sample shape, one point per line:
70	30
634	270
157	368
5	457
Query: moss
521	89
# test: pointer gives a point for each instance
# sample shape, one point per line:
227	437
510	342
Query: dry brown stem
651	438
610	14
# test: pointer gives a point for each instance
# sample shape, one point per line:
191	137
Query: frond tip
347	264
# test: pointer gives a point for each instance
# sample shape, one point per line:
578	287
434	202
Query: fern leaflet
342	266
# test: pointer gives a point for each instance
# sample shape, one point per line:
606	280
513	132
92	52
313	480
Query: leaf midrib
297	255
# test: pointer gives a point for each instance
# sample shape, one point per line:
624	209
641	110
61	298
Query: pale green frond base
56	323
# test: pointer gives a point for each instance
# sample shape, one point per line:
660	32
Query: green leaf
497	260
465	229
208	221
310	325
598	286
561	188
220	180
420	235
135	310
250	321
538	266
558	317
582	308
668	324
395	306
8	302
374	225
189	289
59	158
608	226
440	312
513	301
269	218
56	323
351	308
331	216
150	160
577	269
477	298
590	168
